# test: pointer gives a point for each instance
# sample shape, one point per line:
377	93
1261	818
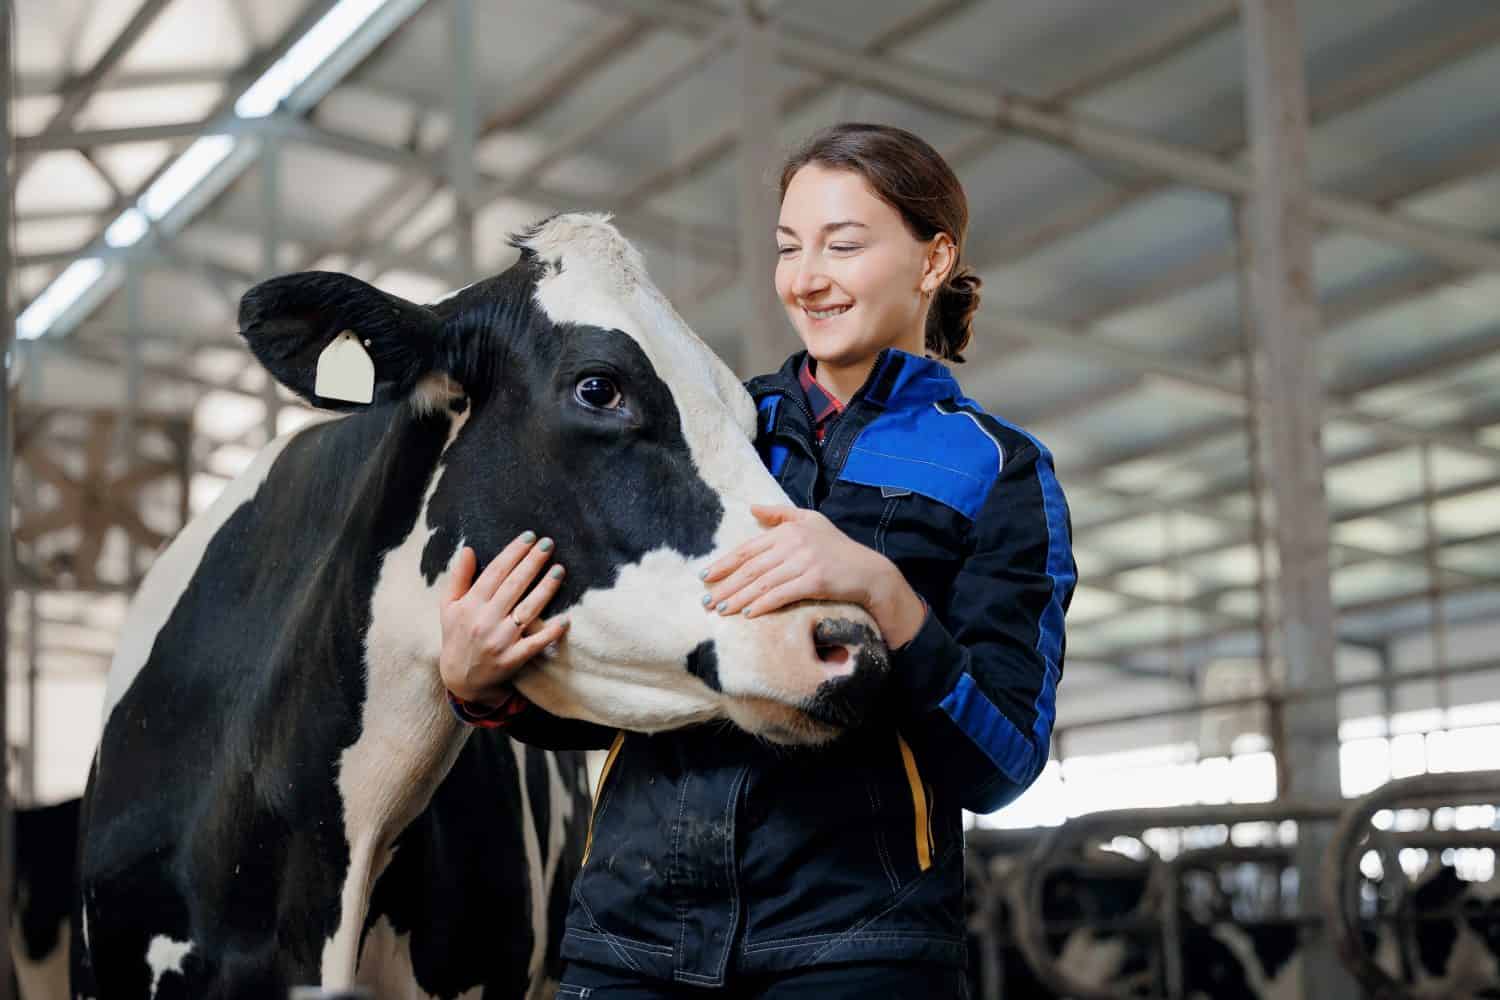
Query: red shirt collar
825	406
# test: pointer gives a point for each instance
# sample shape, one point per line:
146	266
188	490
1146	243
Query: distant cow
1448	946
1109	911
281	794
42	898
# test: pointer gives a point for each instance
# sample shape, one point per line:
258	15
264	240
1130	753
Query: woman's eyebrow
826	228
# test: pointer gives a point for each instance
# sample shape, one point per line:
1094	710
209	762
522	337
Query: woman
716	861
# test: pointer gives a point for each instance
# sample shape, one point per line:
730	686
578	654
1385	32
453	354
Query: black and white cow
280	794
42	894
1448	946
1111	910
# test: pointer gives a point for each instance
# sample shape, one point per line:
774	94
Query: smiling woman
716	860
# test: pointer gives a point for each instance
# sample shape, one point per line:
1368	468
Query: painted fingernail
527	537
746	612
703	574
556	572
723	606
545	545
708	599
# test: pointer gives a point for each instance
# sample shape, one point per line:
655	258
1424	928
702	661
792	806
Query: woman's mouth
828	313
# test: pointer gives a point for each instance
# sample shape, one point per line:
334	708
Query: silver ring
517	622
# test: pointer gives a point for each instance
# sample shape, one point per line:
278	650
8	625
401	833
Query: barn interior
1241	265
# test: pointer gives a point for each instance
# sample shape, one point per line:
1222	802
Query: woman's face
851	276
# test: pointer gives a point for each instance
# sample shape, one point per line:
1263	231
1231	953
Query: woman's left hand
803	556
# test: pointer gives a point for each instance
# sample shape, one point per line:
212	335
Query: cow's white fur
534	870
163	955
1285	984
171	573
408	739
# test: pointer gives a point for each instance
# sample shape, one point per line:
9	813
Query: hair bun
950	322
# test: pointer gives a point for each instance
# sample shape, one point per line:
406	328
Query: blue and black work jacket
712	853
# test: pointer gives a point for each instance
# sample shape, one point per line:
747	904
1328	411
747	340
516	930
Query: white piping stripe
1000	448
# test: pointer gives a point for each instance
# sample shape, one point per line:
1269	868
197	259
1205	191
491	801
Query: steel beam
765	340
463	134
1223	390
1357	90
541	92
78	91
1070	130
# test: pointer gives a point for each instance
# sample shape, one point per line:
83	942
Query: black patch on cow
1275	945
845	702
607	486
1435	939
703	663
459	882
43	889
253	688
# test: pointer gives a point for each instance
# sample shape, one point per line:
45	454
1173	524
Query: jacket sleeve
521	720
979	685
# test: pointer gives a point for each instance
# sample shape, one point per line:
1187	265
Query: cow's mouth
778	722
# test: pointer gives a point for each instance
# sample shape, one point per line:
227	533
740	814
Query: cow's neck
406	737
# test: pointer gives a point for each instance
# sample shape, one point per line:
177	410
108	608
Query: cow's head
584	408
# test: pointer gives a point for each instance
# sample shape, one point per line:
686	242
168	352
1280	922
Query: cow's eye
598	392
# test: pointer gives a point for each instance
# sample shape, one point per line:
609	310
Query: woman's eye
598	392
843	247
785	251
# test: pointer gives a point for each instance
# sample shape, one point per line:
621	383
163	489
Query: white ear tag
345	371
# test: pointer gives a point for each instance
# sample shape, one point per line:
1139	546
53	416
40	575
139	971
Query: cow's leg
341	953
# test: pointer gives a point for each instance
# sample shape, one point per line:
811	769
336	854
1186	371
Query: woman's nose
809	278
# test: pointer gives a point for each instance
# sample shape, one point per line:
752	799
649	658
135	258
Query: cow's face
585	409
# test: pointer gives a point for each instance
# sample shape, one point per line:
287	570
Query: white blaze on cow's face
623	662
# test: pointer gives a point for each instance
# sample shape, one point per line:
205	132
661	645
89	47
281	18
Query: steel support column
270	195
27	784
7	575
127	428
765	340
1288	409
462	137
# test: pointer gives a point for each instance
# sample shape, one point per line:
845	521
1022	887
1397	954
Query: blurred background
1240	273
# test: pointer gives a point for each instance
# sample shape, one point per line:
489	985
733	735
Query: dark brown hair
914	179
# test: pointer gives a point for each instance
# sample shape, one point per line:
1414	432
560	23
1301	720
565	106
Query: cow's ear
289	321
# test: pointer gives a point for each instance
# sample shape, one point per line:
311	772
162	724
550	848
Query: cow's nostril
832	654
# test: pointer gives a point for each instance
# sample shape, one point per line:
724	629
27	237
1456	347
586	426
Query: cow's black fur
213	814
46	843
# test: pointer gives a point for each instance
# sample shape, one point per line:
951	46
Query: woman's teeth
827	313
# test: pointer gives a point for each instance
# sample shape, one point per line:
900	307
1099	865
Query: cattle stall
1049	917
1241	265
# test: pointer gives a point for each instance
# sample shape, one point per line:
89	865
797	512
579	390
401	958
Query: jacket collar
897	381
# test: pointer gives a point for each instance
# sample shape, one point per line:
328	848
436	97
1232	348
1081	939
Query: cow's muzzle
855	662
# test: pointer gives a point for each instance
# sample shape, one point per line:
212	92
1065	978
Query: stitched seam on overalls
880	845
607	937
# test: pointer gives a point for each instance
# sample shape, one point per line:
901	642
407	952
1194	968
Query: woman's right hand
492	626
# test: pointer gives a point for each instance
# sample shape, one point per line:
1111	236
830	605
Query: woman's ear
941	257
